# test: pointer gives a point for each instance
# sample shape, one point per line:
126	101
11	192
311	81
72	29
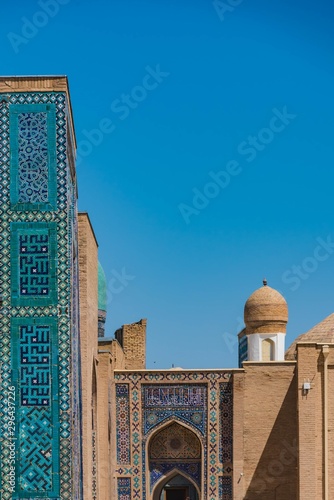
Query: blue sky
205	137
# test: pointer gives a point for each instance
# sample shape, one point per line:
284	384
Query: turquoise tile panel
35	379
33	263
33	156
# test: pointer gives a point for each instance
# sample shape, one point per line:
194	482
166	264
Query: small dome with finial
266	311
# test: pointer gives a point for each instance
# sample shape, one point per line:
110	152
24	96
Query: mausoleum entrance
175	463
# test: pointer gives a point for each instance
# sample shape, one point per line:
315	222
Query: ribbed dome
266	311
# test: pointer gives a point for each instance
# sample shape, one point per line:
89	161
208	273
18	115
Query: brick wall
269	432
132	338
88	287
311	421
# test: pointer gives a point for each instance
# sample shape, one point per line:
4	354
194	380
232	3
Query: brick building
81	416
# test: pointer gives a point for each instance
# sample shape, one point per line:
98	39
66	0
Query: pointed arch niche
268	350
174	456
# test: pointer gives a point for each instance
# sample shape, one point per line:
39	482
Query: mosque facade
80	415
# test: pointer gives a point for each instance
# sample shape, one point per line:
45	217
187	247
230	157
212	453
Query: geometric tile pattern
185	402
33	260
166	395
35	365
136	439
57	216
226	439
36	408
35	450
33	158
124	488
34	264
175	447
123	423
225	488
175	442
226	421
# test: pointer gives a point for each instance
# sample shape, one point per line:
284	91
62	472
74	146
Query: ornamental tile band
226	418
124	488
123	423
35	353
34	264
225	488
33	158
36	410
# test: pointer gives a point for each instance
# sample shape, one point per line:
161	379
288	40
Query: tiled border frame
19	228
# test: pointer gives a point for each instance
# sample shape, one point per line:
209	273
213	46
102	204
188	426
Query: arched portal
175	463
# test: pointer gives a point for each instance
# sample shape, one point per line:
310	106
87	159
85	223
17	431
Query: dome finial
265	282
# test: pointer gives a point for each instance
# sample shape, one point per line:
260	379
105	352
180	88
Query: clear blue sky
235	102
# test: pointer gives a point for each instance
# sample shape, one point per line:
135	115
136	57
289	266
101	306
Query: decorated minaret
40	380
266	317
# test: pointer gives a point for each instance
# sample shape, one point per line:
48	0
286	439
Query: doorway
177	487
177	493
